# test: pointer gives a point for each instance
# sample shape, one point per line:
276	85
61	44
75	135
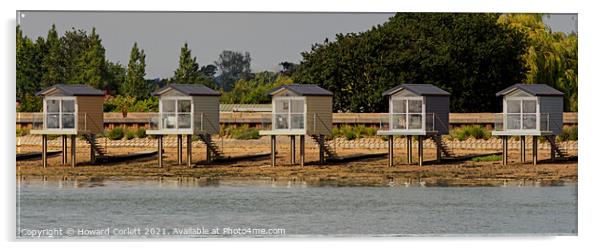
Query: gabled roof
533	89
188	89
72	90
419	89
303	89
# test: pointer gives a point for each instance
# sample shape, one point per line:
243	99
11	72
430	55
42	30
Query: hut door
289	113
521	114
59	113
176	113
407	113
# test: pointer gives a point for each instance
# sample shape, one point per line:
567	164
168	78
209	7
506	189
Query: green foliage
22	131
188	71
115	77
254	90
233	66
122	104
241	132
28	74
353	132
130	134
468	54
569	134
487	158
115	133
91	63
474	131
141	132
134	84
550	58
54	63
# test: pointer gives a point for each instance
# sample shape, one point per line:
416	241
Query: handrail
429	121
542	121
316	115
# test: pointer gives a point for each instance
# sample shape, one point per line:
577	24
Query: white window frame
522	99
407	113
60	113
176	99
289	113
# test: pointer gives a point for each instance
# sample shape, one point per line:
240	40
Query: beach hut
530	110
70	110
187	109
299	110
420	110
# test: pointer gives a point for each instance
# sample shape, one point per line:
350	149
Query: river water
142	209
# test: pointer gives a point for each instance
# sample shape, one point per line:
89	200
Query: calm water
136	209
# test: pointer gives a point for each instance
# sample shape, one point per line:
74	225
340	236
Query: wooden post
44	151
189	150
420	151
534	150
523	149
160	150
273	149
391	151
409	148
208	153
92	152
438	148
292	149
179	149
302	150
64	149
504	150
321	149
73	151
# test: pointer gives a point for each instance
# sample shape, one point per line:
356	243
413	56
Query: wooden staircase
559	151
206	138
447	152
330	153
98	149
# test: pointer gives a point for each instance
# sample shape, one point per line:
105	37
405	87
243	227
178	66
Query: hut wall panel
553	106
322	106
208	108
439	105
92	107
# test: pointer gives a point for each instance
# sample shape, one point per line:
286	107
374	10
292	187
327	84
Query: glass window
513	106
52	106
297	121
513	121
399	106
529	121
52	121
282	106
184	121
399	121
169	120
169	106
415	106
529	106
281	121
68	120
184	106
68	106
415	121
297	106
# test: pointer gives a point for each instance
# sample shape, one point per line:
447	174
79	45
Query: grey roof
533	89
73	90
419	89
189	89
303	89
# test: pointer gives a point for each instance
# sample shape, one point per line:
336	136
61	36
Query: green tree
28	68
188	71
233	66
134	84
74	44
254	90
91	64
115	77
53	64
550	58
469	55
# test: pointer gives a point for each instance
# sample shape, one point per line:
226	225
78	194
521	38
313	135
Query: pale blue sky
269	37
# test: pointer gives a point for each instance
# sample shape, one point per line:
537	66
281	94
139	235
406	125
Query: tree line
470	55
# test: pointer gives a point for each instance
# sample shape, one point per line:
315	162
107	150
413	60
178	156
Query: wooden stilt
160	150
292	149
64	149
439	148
409	148
534	150
504	150
523	149
420	151
92	152
44	151
273	149
179	149
189	150
552	151
73	151
209	156
302	150
321	151
391	157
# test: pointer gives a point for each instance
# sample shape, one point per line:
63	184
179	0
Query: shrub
474	131
569	134
241	133
22	131
130	134
115	133
487	158
350	135
141	133
353	132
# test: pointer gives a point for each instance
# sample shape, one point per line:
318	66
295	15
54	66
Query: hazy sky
269	37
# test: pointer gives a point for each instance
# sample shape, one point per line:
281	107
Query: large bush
115	133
